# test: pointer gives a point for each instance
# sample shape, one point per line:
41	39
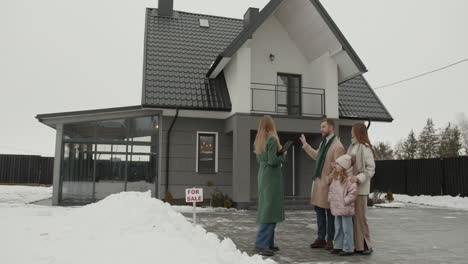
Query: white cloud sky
63	55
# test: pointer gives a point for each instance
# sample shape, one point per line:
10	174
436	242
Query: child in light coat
342	194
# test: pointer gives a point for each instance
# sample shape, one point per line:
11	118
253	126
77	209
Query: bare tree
462	120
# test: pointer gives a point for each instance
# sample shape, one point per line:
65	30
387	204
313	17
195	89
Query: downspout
368	124
168	149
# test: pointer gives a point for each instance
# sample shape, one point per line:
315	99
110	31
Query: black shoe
346	254
274	248
266	252
335	251
359	252
368	252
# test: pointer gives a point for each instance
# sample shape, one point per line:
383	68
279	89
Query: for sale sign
194	195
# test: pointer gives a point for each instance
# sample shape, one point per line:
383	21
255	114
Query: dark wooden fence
447	176
25	169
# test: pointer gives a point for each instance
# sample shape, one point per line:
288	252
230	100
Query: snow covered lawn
23	194
123	228
438	201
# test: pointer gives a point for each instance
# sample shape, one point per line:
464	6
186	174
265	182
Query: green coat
270	185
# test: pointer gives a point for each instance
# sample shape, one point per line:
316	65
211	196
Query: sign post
193	196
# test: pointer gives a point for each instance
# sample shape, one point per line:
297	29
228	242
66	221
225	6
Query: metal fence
25	169
448	176
280	99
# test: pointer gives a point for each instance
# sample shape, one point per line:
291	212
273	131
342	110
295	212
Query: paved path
406	235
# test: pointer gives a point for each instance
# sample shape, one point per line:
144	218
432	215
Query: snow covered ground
391	205
23	194
128	227
438	201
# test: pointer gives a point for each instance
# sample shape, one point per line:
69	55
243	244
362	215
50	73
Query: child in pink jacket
342	194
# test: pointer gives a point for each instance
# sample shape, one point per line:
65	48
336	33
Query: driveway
413	234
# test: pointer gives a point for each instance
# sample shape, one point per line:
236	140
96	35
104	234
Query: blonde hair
266	129
340	176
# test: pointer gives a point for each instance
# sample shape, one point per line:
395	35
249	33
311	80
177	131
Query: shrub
218	198
376	198
389	196
168	197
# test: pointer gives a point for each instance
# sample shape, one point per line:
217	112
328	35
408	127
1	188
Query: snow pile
189	209
23	194
125	228
438	201
391	205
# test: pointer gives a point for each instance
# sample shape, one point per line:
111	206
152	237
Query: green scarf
321	156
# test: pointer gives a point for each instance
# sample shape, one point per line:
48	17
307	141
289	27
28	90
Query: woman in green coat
270	186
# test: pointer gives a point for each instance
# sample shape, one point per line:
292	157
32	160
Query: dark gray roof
357	100
266	12
178	53
41	117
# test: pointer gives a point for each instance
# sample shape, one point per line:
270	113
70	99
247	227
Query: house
206	82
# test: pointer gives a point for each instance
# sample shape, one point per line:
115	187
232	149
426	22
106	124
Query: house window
207	152
289	93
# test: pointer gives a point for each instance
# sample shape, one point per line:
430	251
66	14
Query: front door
290	167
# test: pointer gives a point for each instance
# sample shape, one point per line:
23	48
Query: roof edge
246	34
386	120
214	65
172	107
339	35
43	117
143	82
377	97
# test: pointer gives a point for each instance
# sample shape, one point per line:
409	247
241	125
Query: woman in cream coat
363	155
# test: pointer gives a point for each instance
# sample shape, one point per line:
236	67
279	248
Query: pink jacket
342	196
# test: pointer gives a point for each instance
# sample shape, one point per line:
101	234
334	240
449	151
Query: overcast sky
63	55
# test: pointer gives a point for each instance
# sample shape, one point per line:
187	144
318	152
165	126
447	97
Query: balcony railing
280	99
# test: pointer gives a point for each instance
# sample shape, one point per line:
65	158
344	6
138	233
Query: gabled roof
266	12
357	100
178	52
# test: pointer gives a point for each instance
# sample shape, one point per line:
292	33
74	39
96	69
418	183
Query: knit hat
344	161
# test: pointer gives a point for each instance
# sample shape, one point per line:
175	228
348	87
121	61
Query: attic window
204	23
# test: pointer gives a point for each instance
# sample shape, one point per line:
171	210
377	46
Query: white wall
237	74
272	38
325	71
252	64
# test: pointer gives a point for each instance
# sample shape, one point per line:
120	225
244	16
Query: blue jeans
265	236
344	236
325	223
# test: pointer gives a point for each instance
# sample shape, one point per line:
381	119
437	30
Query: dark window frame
214	169
292	75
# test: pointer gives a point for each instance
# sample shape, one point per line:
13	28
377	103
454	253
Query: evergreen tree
409	149
383	151
450	142
428	142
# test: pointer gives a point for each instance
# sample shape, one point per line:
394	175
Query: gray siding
182	159
304	167
237	165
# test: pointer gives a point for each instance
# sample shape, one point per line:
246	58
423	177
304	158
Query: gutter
168	148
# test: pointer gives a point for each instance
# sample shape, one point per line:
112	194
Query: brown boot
318	243
329	245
